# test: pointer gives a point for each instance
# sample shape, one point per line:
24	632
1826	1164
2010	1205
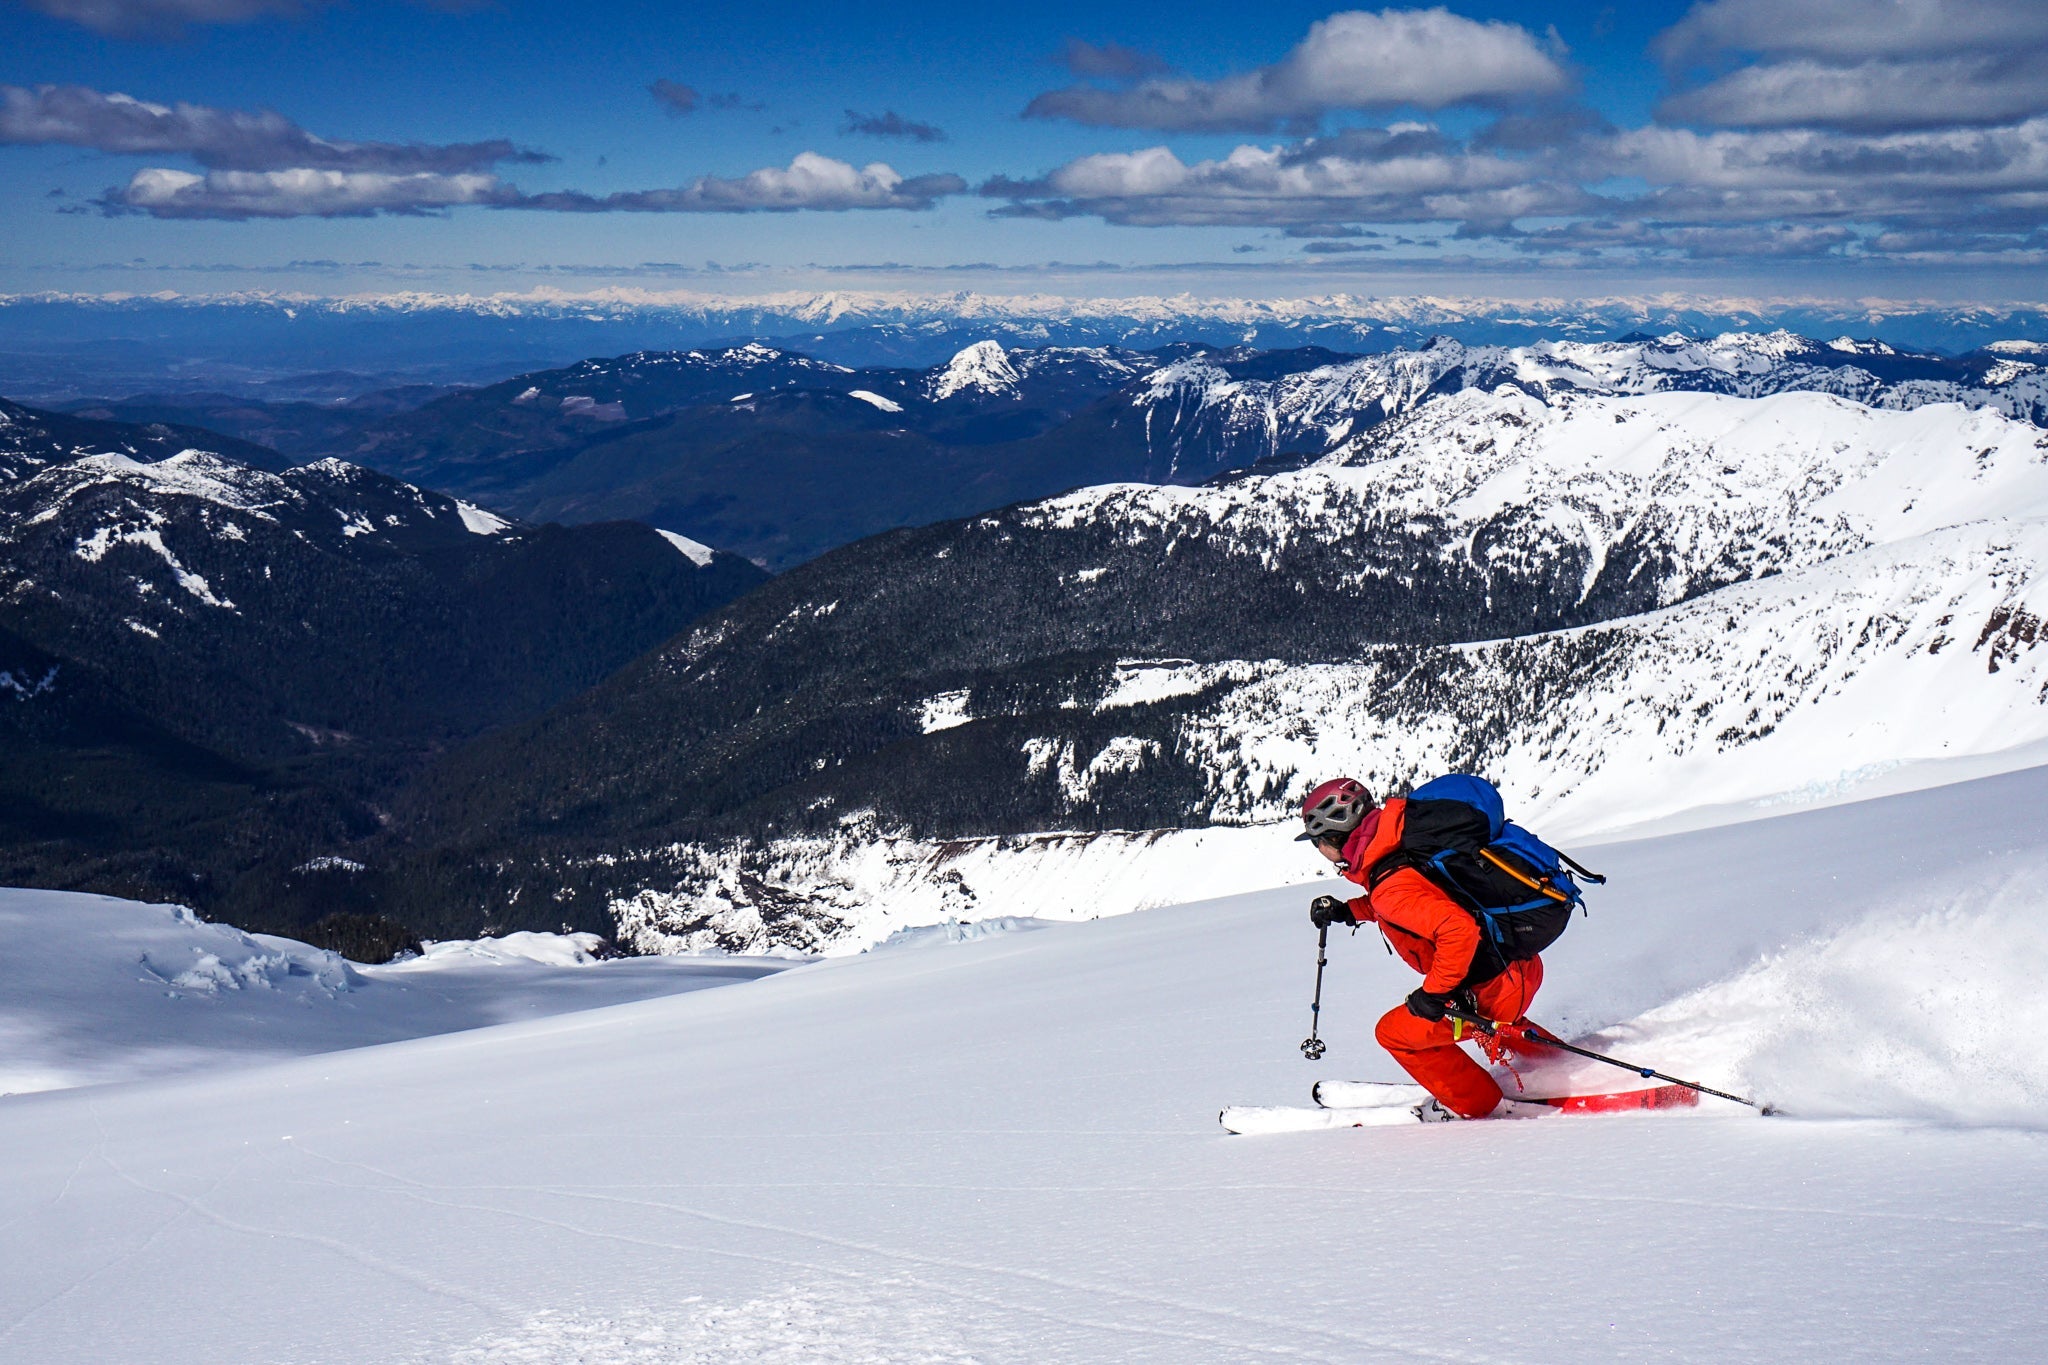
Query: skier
1431	933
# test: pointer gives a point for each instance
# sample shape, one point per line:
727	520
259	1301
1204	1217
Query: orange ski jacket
1431	932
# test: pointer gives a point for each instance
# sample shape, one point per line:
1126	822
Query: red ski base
1656	1097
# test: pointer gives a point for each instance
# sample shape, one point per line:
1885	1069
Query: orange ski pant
1430	1053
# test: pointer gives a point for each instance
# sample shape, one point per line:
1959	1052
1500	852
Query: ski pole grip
1483	1025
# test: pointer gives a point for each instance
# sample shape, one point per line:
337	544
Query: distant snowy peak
190	473
1715	489
327	495
751	355
32	440
982	368
1203	412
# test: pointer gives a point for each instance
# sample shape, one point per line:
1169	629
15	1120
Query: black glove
1429	1004
1325	911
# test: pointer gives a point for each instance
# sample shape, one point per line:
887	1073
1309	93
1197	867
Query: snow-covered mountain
762	451
1203	413
207	668
247	577
1623	607
32	440
54	347
774	452
1149	657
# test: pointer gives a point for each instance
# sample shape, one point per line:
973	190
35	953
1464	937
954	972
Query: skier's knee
1390	1034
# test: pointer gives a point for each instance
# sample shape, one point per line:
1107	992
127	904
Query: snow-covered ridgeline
1314	409
157	525
1560	314
192	473
1723	488
208	478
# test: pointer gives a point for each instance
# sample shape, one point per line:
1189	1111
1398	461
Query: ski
1620	1102
1262	1119
1381	1104
1367	1094
1390	1094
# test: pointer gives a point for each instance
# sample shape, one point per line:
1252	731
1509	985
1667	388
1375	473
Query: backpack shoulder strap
1391	863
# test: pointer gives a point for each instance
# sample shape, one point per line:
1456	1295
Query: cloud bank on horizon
1824	137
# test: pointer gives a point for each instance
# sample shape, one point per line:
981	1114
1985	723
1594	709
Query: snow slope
95	989
1005	1149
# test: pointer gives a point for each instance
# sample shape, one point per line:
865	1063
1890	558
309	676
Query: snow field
95	989
1004	1148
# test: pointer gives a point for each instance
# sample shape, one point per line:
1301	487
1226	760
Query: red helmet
1334	807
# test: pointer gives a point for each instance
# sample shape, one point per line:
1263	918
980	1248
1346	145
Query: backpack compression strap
1526	880
1588	873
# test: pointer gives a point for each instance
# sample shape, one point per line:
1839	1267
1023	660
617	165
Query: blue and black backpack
1457	835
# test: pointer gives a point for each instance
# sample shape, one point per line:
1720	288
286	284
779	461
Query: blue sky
1834	148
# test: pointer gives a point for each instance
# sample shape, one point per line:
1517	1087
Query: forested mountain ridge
197	645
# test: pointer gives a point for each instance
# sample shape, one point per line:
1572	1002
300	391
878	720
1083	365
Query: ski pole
1544	1035
1312	1046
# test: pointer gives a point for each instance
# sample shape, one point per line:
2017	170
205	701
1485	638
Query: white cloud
1950	174
1777	193
810	181
1407	174
1855	30
1869	65
303	192
1360	59
228	139
1708	242
170	18
1874	95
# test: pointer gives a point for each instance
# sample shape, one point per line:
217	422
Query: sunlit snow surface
479	522
94	989
1003	1148
696	551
